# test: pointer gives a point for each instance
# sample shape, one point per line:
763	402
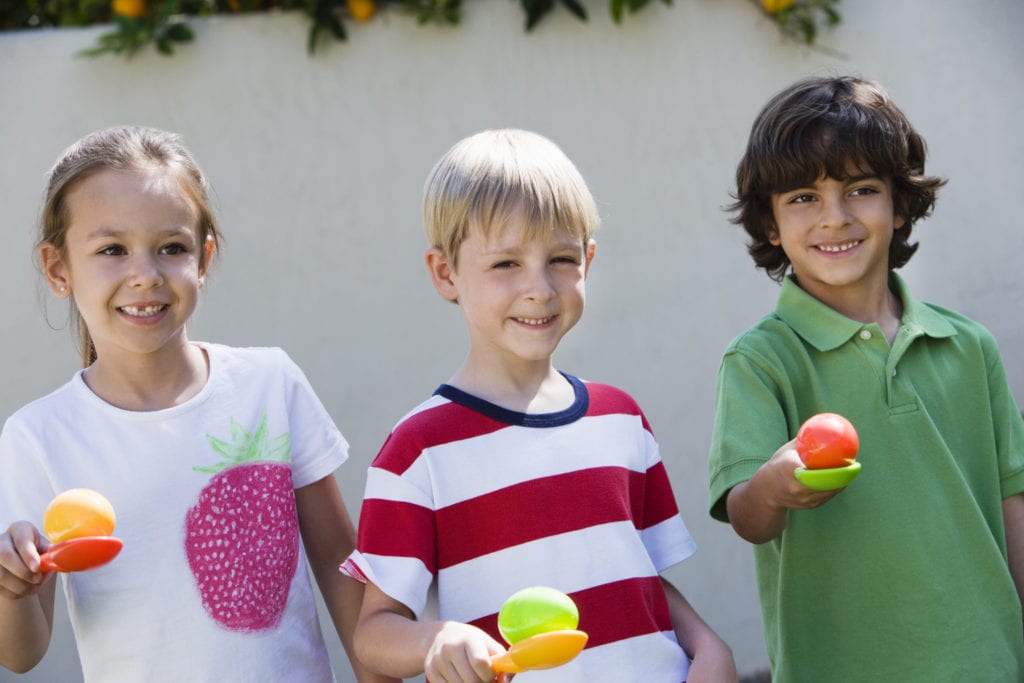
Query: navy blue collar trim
562	417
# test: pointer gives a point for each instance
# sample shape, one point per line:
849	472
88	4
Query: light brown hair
122	148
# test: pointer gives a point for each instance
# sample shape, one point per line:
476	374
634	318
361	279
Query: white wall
318	165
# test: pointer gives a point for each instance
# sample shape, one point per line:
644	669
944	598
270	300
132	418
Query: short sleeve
397	545
25	487
749	424
318	447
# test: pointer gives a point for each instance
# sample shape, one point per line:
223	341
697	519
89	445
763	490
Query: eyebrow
863	176
104	232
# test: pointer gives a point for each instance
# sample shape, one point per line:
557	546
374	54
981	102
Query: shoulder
247	356
605	398
771	345
967	337
43	409
433	422
252	362
960	322
766	334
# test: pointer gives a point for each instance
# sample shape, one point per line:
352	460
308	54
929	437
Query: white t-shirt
212	582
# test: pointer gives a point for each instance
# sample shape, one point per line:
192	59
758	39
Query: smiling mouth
535	322
143	312
838	248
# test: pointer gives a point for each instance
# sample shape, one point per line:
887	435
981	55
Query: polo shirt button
865	334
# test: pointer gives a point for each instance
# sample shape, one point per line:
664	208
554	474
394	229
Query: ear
589	249
58	277
772	233
208	249
441	272
899	222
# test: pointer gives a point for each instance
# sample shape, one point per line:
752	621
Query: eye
864	190
113	250
571	260
504	265
801	199
174	249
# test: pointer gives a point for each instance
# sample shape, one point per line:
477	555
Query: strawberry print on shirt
242	535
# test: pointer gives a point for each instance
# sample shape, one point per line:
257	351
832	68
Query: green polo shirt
902	577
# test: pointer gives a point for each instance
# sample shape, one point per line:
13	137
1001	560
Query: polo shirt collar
827	329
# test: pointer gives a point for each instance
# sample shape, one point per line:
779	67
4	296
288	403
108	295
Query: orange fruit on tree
776	6
77	513
133	9
361	10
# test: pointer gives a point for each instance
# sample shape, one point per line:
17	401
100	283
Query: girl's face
131	261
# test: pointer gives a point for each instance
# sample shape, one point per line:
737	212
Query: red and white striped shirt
487	501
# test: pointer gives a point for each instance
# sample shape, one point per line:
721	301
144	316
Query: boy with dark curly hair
913	572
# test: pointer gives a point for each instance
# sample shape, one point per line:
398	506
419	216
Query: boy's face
836	234
519	295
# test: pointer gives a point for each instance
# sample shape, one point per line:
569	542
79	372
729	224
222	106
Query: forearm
711	658
394	645
25	627
752	514
1013	522
691	631
344	597
329	537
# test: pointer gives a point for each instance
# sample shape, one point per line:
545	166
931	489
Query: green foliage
618	6
801	20
164	23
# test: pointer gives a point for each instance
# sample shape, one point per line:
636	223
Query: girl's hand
20	546
462	654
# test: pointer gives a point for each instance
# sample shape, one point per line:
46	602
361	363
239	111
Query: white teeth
533	321
137	312
836	248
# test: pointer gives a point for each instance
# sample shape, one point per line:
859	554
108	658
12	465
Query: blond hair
121	148
485	179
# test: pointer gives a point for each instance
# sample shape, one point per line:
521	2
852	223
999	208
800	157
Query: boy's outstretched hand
462	654
20	546
759	508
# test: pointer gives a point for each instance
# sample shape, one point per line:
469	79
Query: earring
61	289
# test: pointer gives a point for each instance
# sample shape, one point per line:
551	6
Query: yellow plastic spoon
541	651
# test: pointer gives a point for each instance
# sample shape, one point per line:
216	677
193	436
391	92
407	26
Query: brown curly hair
820	127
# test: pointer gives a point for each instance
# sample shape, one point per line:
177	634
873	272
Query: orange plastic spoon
80	554
541	651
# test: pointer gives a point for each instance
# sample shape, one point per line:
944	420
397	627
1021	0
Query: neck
878	305
147	383
542	390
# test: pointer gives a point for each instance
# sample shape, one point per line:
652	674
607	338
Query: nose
538	285
145	272
835	213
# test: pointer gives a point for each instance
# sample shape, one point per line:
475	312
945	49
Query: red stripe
444	424
552	505
397	529
612	612
659	501
350	568
608	400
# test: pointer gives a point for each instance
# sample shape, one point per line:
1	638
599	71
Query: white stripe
668	543
404	579
513	455
569	562
387	485
651	658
